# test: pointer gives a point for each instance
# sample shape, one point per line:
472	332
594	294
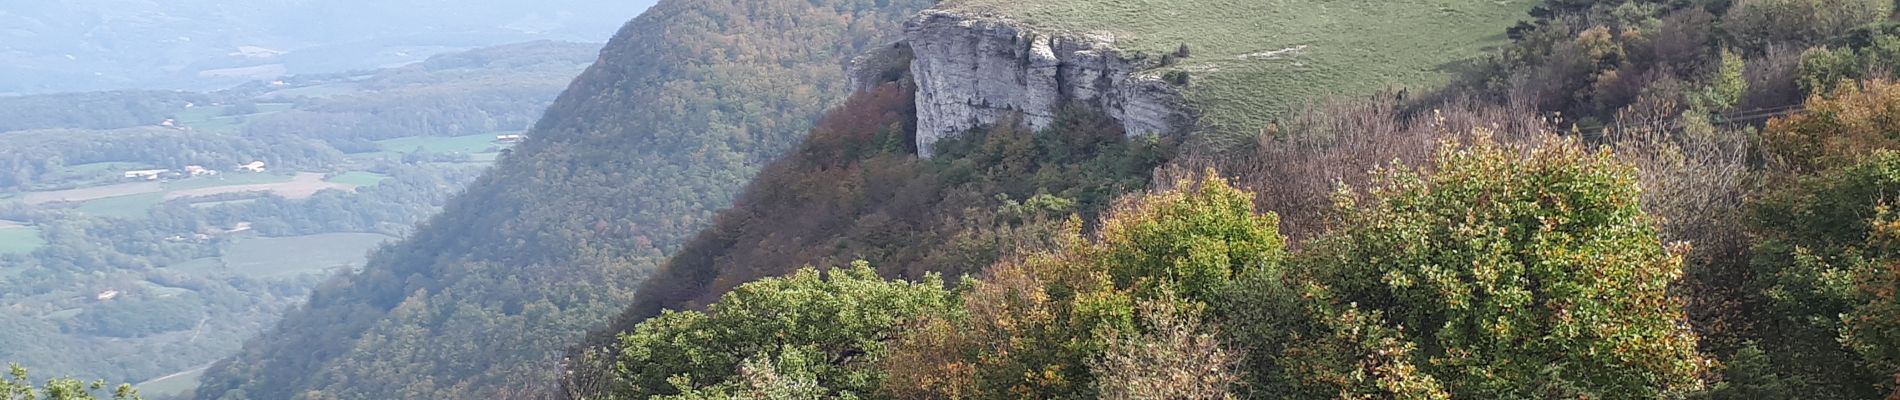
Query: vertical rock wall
976	70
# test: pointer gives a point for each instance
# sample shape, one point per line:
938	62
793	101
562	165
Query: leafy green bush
1824	69
828	329
1825	266
1502	273
1034	327
1754	24
17	385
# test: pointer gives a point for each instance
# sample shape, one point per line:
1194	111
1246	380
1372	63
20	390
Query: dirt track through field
303	185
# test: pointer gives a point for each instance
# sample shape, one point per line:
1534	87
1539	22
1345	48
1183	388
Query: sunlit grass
1254	61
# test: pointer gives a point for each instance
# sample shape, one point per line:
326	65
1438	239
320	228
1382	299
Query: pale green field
440	144
359	178
128	207
19	239
199	267
136	205
296	255
213	118
279	257
1256	60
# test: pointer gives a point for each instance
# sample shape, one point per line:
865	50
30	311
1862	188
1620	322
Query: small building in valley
254	166
510	138
146	174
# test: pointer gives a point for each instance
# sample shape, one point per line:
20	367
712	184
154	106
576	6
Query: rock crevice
976	70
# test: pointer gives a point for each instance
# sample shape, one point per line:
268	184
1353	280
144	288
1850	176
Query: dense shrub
1837	129
1179	357
1754	24
830	329
1034	327
1825	266
1503	272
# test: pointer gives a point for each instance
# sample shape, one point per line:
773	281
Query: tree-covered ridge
686	103
1527	268
1195	281
855	191
1586	61
191	262
93	110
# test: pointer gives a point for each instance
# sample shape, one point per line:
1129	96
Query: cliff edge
973	70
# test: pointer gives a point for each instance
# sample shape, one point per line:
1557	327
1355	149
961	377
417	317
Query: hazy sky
68	45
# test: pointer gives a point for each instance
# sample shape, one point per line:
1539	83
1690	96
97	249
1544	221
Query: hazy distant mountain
204	44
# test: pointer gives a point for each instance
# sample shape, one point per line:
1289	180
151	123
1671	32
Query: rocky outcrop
975	70
889	63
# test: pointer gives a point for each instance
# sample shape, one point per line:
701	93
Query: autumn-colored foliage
1837	128
1512	272
1034	327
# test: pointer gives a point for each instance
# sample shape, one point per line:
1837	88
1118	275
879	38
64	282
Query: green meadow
1253	61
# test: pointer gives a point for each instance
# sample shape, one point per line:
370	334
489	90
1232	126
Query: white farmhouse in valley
146	174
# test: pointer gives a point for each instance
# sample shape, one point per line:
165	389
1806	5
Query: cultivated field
91	193
17	238
132	200
215	118
295	255
359	178
303	185
1253	60
129	207
480	148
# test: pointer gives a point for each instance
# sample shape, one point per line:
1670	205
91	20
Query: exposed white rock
977	70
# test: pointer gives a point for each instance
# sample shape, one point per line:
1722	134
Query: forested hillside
1632	199
136	246
855	191
683	106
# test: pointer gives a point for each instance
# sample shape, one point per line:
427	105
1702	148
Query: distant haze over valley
81	45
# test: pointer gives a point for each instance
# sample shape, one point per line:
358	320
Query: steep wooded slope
986	191
683	105
854	191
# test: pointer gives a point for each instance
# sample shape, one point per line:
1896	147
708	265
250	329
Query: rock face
977	70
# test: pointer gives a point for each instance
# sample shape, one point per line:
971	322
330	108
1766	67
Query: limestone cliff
973	70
